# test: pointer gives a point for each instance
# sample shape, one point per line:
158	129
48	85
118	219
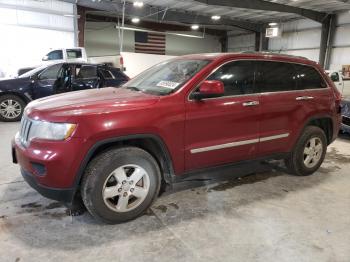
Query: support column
224	42
331	34
263	42
81	25
327	37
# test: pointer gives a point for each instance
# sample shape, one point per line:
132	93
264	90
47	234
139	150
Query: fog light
39	169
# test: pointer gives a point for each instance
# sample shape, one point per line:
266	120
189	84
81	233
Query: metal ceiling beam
156	14
267	6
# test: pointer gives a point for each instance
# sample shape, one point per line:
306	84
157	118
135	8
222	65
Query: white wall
237	43
300	37
30	28
102	39
341	50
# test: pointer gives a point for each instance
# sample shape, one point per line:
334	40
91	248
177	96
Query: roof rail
273	53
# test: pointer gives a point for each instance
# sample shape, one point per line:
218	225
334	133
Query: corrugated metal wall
302	38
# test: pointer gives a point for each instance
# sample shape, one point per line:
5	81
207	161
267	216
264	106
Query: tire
17	108
104	178
298	162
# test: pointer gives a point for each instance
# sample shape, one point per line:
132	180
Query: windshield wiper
133	88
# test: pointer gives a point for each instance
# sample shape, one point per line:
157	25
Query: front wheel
11	108
120	184
309	152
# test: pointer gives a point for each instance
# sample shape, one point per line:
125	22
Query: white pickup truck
342	83
78	54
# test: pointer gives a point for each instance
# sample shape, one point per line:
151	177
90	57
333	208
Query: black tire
15	99
295	162
100	169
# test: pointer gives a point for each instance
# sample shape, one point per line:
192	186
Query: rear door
288	98
85	77
111	77
224	129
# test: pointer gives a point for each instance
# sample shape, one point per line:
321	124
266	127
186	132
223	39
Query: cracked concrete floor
270	216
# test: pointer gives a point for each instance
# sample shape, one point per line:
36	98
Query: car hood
95	101
14	83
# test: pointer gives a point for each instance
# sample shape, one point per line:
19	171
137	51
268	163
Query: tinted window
106	74
309	78
72	54
117	74
275	76
55	55
335	77
238	77
86	71
51	72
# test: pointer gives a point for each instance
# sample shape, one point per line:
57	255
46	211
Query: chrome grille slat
26	124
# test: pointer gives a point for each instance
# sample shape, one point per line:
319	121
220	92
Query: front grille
26	124
346	120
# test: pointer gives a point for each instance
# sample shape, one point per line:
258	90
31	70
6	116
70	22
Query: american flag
151	43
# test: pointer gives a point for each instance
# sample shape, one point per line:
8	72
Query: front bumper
50	167
59	194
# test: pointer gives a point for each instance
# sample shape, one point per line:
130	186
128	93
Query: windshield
166	77
33	71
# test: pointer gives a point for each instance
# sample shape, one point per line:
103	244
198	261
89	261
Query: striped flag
151	43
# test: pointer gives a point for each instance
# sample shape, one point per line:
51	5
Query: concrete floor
271	216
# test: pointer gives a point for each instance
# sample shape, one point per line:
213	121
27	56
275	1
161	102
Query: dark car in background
345	126
53	79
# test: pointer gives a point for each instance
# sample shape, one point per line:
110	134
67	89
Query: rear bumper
62	195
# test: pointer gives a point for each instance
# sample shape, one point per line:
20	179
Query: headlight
50	131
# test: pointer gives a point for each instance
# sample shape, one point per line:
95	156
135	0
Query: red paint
181	123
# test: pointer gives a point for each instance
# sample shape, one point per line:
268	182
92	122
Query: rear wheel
309	152
11	108
120	184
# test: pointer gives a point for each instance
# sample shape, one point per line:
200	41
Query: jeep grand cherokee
117	147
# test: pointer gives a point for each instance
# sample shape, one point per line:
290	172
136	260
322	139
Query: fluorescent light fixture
71	15
273	24
135	20
152	31
215	17
138	4
195	27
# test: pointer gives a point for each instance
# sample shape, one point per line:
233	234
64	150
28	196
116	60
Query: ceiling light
273	24
195	27
138	4
135	20
216	17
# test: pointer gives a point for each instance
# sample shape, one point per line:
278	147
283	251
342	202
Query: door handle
250	103
302	98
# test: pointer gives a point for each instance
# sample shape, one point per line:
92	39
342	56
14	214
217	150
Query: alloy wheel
10	109
313	152
126	188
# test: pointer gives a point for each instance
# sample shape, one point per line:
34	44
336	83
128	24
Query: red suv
117	147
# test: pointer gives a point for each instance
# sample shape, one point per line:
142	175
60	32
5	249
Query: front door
225	129
46	81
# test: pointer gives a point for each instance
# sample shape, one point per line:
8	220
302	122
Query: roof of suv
252	55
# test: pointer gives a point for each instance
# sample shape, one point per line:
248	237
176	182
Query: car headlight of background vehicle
50	131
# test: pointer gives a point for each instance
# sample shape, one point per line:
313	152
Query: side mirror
335	77
45	58
34	77
209	89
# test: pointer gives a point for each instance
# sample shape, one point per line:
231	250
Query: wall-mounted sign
273	32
